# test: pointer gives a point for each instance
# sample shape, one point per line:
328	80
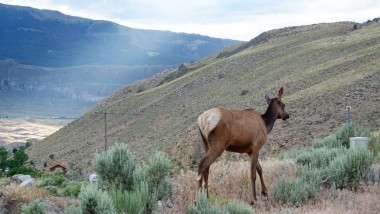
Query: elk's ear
280	93
267	98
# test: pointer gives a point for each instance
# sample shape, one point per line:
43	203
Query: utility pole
105	131
105	126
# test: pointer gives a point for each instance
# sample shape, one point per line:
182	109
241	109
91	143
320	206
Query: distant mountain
323	68
34	91
35	43
52	39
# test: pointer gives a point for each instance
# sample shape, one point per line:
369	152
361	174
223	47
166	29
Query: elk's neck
269	118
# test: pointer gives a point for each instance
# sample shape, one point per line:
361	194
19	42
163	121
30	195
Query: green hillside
322	67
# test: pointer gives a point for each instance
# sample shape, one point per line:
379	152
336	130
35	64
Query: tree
3	157
20	157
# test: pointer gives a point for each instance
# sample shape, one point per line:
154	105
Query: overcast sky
233	19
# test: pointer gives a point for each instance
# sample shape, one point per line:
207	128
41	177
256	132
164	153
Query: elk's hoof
253	202
264	194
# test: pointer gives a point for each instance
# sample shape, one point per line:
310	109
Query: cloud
233	19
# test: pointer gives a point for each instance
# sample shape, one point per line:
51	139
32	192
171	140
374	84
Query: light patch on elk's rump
208	121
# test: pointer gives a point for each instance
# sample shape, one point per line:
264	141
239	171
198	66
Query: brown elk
242	131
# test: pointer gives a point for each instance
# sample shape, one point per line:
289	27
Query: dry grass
366	200
16	196
230	181
23	194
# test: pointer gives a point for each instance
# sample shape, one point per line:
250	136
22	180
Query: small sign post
348	108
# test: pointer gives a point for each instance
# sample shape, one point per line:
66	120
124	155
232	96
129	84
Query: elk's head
277	105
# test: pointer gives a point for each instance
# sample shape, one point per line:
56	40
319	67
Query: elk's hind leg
203	177
204	166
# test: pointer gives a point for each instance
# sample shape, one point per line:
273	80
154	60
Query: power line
105	125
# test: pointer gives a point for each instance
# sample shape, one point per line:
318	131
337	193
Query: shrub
51	180
293	191
24	170
344	134
374	143
35	207
156	173
235	207
203	206
133	188
52	190
72	209
131	201
58	172
333	192
347	169
318	157
72	189
293	154
327	142
92	200
115	167
342	137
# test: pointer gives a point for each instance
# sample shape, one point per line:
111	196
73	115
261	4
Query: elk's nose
286	116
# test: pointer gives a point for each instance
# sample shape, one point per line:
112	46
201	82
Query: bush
72	209
133	189
319	157
238	208
327	142
51	180
24	170
293	191
328	163
72	189
131	201
35	207
342	137
202	205
347	170
92	200
57	184
374	143
156	173
52	190
344	134
115	167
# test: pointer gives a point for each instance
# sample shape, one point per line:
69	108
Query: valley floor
20	130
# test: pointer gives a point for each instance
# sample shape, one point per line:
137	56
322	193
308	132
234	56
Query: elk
241	131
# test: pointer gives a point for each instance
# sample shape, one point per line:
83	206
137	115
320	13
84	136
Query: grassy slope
322	67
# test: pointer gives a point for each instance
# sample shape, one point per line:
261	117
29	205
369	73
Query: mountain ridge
57	40
323	68
76	61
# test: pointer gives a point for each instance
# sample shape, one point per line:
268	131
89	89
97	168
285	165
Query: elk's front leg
254	161
260	172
